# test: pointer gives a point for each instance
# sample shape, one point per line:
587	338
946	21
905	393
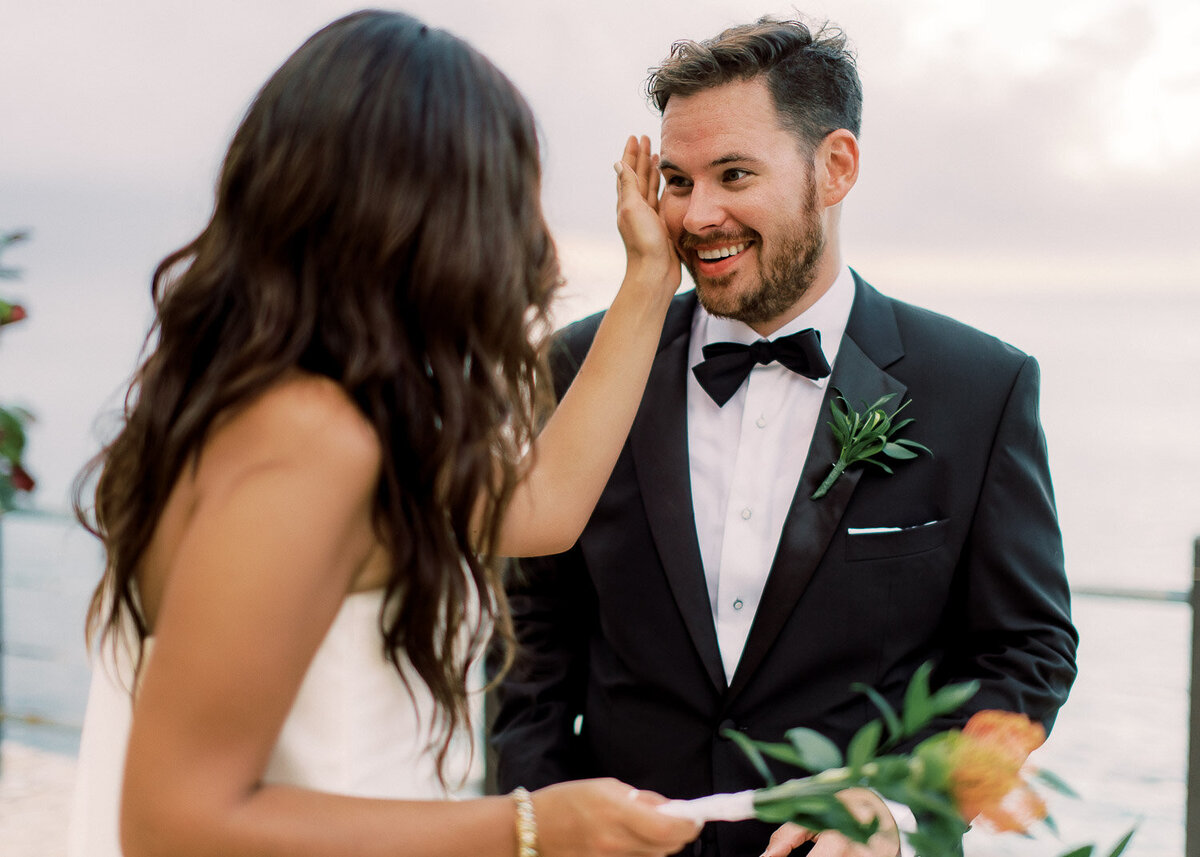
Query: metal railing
1191	821
1192	809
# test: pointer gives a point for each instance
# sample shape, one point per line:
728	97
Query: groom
710	591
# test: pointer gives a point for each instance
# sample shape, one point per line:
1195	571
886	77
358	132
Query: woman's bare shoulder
303	419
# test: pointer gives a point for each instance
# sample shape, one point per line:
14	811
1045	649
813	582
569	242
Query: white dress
354	729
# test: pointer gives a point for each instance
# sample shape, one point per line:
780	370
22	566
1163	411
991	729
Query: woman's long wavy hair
377	222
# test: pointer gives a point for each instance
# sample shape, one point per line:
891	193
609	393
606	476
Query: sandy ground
35	800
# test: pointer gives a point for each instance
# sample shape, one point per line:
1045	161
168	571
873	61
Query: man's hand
865	805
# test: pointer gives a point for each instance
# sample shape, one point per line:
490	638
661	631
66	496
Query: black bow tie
727	364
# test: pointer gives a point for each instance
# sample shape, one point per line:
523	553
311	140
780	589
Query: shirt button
746	513
761	422
737	604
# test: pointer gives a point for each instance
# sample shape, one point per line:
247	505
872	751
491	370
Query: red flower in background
21	479
13	475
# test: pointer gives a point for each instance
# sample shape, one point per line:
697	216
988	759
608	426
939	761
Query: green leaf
952	697
930	804
867	447
903	441
864	744
917	711
817	751
1054	782
880	465
895	450
881	401
12	434
889	714
748	746
1120	847
784	753
1081	851
827	814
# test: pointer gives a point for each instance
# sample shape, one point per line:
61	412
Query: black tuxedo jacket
619	672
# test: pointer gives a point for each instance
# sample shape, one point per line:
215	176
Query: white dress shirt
745	460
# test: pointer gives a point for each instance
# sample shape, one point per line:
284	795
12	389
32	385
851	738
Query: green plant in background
14	478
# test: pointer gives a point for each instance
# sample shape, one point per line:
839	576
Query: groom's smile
739	203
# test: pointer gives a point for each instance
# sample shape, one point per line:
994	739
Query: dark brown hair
812	77
377	222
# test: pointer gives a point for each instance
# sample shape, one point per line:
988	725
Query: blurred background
1032	169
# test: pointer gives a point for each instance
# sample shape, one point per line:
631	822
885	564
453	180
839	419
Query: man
710	590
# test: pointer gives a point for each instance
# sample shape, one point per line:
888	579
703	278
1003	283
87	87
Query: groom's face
740	202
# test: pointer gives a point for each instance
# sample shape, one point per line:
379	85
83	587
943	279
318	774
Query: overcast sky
1058	136
1027	145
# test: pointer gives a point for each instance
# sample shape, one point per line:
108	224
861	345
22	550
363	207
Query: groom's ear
835	166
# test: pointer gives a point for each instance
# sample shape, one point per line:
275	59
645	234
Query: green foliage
866	435
13	477
7	239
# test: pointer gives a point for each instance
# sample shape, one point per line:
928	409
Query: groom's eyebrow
731	158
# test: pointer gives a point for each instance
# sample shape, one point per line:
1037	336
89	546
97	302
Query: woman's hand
576	451
606	818
650	257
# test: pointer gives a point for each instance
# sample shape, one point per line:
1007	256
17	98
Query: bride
330	440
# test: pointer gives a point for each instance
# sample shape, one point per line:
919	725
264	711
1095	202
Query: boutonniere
866	435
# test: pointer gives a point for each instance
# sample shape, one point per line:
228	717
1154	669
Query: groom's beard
783	278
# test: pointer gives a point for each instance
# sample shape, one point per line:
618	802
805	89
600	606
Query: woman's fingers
644	166
606	818
786	839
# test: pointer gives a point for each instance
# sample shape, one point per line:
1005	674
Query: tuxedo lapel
811	523
659	443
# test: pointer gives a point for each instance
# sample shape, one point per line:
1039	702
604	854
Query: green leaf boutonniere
863	436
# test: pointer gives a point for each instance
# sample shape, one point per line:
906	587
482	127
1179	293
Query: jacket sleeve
1014	632
538	702
540	699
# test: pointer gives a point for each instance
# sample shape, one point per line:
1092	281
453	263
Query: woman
324	447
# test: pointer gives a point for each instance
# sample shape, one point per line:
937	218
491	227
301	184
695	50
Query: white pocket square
863	531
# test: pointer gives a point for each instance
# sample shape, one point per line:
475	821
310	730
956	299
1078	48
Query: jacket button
725	724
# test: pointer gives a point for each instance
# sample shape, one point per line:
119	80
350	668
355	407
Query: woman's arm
575	453
279	530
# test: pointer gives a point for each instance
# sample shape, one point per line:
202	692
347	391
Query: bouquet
950	780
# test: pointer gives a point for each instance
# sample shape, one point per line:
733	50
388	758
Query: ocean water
1120	408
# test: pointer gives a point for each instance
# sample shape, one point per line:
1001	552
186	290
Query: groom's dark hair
812	76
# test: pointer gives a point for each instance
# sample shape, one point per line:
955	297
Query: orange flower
985	777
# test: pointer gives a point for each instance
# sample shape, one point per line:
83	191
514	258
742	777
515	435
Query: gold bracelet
526	824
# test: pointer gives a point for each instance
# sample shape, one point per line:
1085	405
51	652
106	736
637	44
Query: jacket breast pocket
882	542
